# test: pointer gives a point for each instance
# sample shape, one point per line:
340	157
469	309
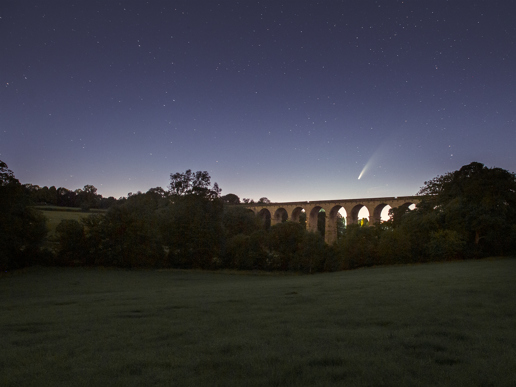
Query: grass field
55	215
450	324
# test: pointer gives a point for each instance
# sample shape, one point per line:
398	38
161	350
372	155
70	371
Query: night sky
292	100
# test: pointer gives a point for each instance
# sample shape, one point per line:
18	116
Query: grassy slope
435	324
55	215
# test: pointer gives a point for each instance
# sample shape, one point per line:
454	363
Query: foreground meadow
434	324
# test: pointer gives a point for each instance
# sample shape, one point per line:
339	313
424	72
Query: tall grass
434	324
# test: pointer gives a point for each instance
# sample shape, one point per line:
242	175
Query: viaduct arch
280	212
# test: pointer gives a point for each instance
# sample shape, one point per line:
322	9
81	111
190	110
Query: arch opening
384	216
265	216
359	215
299	215
280	215
377	213
336	224
363	216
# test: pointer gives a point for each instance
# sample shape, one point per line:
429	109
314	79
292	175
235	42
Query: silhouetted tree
230	199
106	203
191	225
22	228
87	197
192	230
189	183
158	191
477	203
131	234
66	197
239	220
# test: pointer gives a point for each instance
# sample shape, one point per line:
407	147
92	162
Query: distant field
449	324
55	215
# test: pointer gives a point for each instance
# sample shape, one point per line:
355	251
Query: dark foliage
71	240
476	205
126	236
192	230
22	229
190	183
463	214
239	220
230	199
85	198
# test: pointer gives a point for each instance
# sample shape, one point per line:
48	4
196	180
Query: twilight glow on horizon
289	100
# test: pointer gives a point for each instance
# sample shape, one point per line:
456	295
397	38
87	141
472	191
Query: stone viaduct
280	212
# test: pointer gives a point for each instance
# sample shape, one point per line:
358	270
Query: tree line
468	213
85	198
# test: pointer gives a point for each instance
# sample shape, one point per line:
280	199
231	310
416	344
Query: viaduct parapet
280	212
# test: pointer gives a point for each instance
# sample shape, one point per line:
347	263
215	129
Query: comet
366	167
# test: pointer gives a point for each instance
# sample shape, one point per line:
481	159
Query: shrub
359	246
71	242
394	247
284	242
310	255
445	244
239	252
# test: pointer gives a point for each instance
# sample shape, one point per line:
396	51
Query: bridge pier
312	217
330	229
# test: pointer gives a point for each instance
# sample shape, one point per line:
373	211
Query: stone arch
352	208
312	217
334	211
385	213
296	213
280	216
353	214
330	235
376	216
265	215
408	205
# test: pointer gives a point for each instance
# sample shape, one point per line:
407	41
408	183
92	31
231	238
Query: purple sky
285	99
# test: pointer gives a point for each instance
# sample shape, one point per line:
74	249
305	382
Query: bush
445	244
333	259
359	246
394	247
310	255
239	253
129	238
239	220
22	228
191	228
71	242
284	242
